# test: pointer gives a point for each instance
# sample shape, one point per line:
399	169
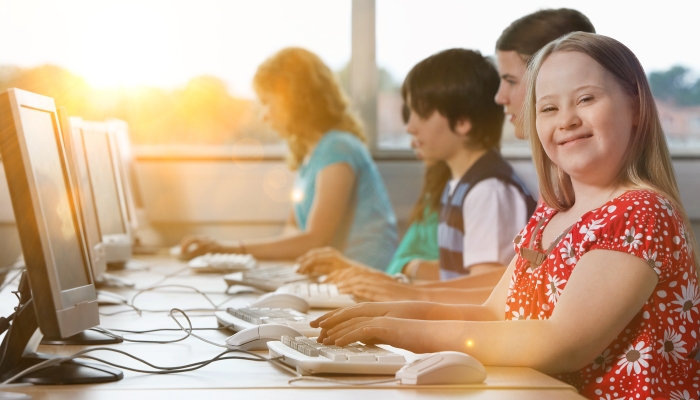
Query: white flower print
635	358
688	301
650	257
520	314
607	397
589	229
666	205
672	345
678	395
631	238
602	360
553	289
568	253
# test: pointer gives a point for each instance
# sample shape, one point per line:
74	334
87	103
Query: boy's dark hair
459	84
530	33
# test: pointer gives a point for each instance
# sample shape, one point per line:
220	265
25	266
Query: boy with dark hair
454	119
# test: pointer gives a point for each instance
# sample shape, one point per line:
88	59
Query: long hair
434	180
647	163
311	96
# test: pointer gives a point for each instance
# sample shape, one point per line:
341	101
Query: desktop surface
251	379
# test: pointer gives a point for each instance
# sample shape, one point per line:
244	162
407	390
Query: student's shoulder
494	189
341	141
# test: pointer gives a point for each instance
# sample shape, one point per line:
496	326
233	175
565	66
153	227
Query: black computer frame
45	309
118	246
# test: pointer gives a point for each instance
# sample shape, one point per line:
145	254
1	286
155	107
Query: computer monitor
100	152
58	299
146	239
71	127
120	131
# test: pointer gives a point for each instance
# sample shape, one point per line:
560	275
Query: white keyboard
319	295
243	318
267	278
222	263
310	357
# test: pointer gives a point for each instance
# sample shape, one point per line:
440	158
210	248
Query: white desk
252	380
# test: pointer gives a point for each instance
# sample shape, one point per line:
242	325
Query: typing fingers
342	329
316	323
348	313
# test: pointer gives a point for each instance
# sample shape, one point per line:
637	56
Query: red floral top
649	358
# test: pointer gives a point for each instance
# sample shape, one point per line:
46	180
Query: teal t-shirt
420	241
368	230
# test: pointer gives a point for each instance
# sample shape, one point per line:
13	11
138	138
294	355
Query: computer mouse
256	337
443	368
281	300
175	251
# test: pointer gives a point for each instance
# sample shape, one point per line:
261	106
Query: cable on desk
159	370
167	276
188	331
215	306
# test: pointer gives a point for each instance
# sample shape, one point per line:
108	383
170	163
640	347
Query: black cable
166	329
161	370
215	306
5	323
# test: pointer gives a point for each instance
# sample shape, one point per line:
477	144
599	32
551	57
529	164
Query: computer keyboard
218	262
310	357
319	295
238	319
267	278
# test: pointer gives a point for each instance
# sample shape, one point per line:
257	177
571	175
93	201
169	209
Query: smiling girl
603	291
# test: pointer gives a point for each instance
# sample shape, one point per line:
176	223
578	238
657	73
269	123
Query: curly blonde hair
309	92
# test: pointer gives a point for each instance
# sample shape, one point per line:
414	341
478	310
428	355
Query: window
410	30
178	71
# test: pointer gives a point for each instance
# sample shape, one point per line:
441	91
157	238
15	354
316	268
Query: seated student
418	246
454	119
603	291
340	199
514	48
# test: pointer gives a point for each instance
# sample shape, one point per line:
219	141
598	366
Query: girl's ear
463	127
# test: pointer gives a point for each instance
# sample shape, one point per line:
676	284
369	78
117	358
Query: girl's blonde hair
648	162
311	96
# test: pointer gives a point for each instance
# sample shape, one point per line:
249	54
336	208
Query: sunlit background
180	71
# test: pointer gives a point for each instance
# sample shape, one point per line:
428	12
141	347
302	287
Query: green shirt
420	241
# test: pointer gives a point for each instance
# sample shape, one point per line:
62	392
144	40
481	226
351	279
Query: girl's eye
586	99
547	109
511	82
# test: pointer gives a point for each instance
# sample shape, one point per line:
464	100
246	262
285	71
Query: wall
229	199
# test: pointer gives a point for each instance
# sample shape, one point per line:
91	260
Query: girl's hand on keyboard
194	246
403	310
379	290
323	261
397	332
343	275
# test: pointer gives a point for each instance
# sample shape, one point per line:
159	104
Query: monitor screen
104	183
60	223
